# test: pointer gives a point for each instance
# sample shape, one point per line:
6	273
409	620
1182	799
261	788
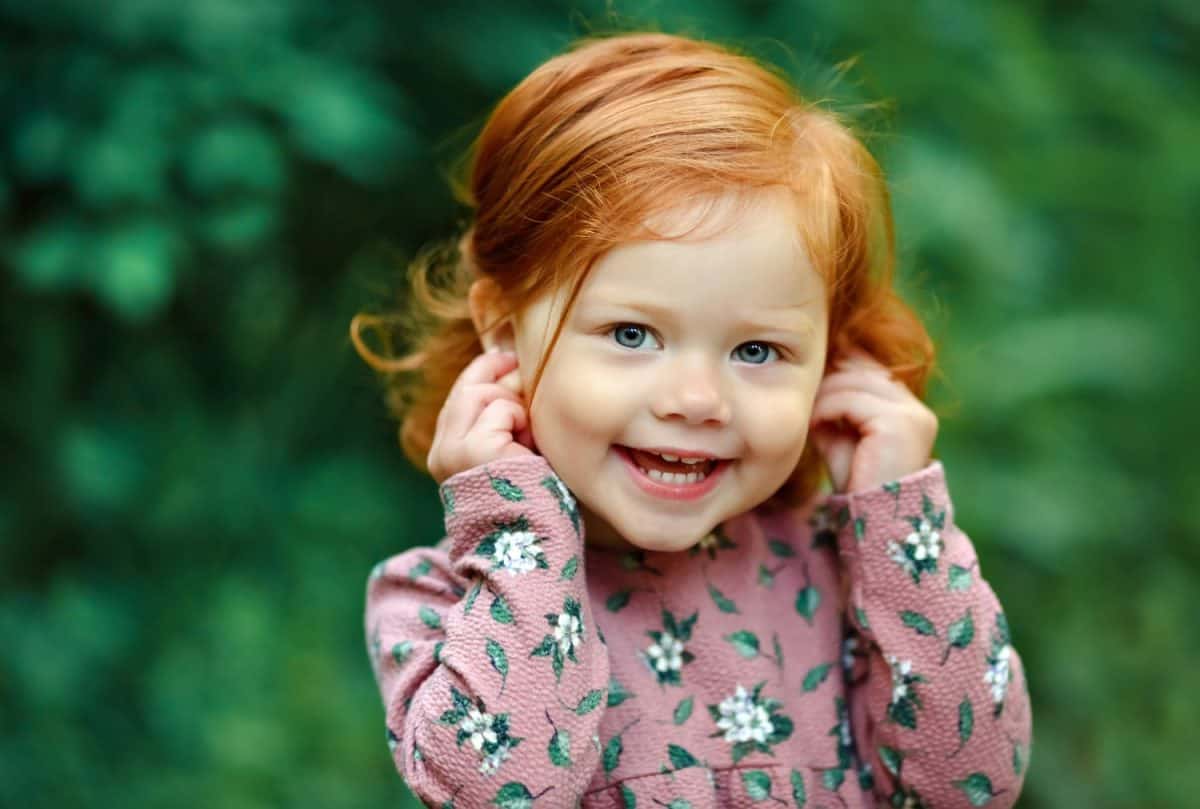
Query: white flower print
849	644
564	494
901	669
905	701
564	638
667	653
479	725
491	763
998	672
897	555
568	632
844	736
926	541
919	552
517	551
743	719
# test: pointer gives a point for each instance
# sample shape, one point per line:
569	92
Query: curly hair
600	139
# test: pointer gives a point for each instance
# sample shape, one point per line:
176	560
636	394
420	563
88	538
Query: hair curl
602	138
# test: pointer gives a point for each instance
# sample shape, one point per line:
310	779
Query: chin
665	541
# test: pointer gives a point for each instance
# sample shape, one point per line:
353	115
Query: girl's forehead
753	252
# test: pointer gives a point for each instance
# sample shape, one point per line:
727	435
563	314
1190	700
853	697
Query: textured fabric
518	669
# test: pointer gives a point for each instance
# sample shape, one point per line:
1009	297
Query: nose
692	390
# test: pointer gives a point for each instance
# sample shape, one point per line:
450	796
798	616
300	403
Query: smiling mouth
676	471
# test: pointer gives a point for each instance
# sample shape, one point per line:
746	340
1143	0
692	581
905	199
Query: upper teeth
673	458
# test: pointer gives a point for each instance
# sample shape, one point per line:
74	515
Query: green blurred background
195	198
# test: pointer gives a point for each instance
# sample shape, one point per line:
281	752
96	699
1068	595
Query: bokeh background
196	197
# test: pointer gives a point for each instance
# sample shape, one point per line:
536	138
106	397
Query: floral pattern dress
520	669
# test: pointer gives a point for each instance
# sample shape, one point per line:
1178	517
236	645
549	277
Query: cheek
570	410
778	425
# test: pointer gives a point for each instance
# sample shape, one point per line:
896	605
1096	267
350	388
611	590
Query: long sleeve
487	657
941	708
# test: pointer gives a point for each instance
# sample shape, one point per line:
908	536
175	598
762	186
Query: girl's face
714	347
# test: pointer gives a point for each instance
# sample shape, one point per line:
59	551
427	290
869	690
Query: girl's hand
869	428
481	421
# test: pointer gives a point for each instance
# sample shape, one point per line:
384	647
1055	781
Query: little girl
673	309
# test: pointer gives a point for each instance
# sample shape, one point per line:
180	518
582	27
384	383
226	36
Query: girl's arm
942	711
492	673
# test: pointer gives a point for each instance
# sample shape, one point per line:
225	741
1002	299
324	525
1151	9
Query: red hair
602	138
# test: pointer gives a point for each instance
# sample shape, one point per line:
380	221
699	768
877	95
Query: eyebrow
791	319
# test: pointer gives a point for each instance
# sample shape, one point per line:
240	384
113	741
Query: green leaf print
745	642
628	798
617	693
590	701
1020	757
766	577
959	578
419	569
977	787
679	803
680	758
903	713
966	721
447	500
892	488
861	615
507	489
430	618
402	650
559	748
960	633
816	675
860	528
723	603
781	548
617	601
569	569
919	622
833	778
1001	632
891	758
495	653
471	596
437	651
758	785
566	502
683	711
807	601
513	795
500	611
612	753
778	649
799	795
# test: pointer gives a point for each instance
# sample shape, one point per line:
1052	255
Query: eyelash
780	352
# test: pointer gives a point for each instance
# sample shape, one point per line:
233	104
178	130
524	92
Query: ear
492	324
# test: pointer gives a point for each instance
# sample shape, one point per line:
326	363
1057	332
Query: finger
837	451
854	406
487	367
464	409
511	381
856	355
866	380
501	419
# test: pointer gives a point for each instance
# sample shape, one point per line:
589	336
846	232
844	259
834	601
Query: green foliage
193	199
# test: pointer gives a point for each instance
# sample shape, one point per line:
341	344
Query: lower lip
672	491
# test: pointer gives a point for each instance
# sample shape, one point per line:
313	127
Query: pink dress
520	669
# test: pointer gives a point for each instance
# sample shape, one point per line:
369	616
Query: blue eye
758	354
630	335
